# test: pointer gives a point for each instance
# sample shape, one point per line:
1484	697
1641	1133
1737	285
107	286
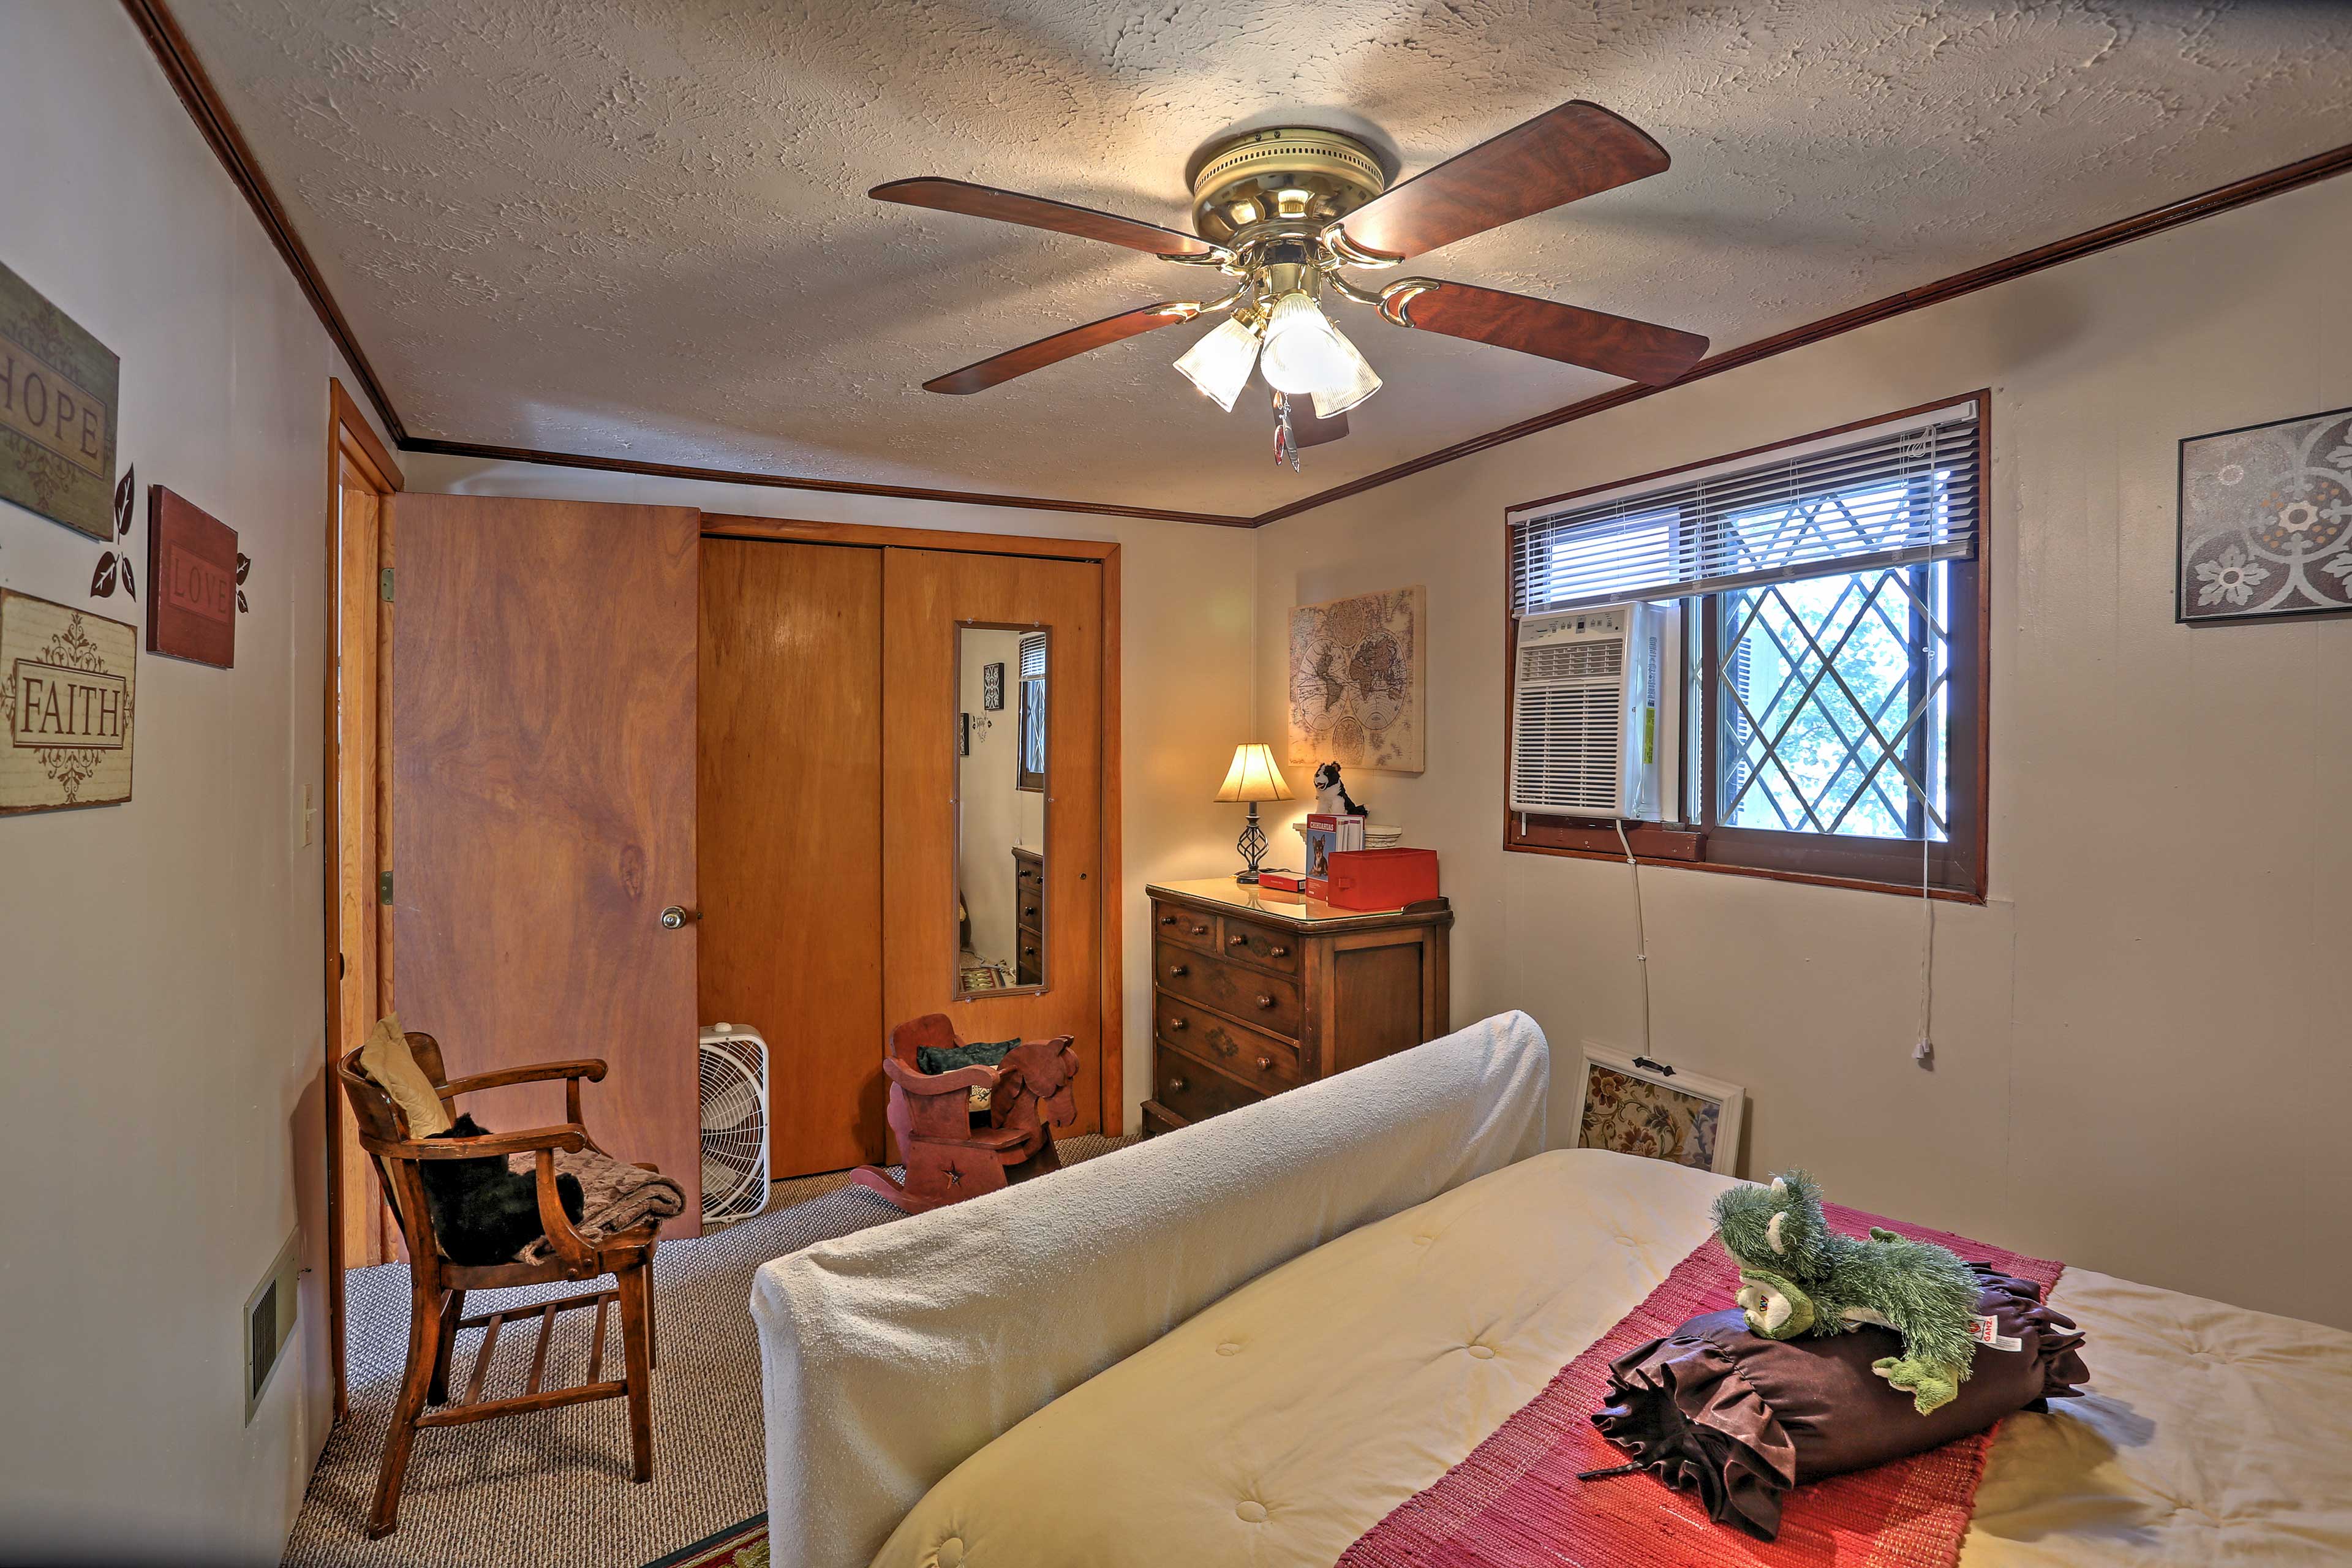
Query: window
1830	613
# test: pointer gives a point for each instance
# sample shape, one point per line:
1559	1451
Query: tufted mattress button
1229	1348
1483	1352
1252	1512
950	1553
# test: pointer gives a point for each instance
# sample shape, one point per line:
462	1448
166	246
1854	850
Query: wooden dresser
1254	992
1028	916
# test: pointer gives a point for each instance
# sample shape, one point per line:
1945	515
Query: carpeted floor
552	1490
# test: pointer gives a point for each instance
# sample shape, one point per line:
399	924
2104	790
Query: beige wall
162	1014
2143	1040
1185	610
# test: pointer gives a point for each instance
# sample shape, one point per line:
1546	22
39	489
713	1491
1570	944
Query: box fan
1593	706
734	1072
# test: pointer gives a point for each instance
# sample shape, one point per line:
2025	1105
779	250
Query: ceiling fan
1283	211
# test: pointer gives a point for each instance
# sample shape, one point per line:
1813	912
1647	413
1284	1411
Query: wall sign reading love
192	577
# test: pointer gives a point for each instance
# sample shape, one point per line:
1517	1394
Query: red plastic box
1382	878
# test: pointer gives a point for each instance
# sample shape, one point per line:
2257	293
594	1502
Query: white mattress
1280	1424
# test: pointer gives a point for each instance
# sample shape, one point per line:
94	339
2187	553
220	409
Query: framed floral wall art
1632	1105
2266	521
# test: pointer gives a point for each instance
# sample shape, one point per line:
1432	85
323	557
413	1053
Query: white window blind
1032	656
1889	495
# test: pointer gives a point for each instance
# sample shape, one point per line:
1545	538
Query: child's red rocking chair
953	1151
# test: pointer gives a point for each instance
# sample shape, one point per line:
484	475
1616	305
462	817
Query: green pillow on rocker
937	1060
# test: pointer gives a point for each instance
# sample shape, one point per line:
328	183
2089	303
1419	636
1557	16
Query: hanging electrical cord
1923	1050
1640	937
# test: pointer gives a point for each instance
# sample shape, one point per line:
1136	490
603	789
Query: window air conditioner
1594	702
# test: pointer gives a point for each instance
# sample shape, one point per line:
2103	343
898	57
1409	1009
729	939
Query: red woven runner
1515	1502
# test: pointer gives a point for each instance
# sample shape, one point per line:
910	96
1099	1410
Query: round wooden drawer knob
1175	1086
1175	968
1200	931
1168	920
1277	952
1178	1026
1264	1001
1266	1064
1237	941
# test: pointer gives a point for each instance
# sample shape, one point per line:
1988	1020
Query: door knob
677	915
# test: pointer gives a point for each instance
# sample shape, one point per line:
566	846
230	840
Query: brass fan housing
1295	173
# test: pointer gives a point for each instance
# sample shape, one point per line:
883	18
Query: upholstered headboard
888	1356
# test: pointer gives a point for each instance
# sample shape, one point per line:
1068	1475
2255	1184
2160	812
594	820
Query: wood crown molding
2140	226
204	105
836	486
154	20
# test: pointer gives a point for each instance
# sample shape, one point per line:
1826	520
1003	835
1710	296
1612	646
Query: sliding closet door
790	824
992	791
542	806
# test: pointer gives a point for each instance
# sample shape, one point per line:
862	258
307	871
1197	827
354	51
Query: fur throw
483	1211
1797	1276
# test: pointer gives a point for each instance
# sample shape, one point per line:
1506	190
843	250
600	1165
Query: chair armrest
913	1082
540	1072
570	1137
562	1239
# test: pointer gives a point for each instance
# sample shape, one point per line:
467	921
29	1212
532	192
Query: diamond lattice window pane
1834	693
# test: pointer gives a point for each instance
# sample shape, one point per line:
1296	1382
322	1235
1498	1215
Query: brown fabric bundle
1737	1419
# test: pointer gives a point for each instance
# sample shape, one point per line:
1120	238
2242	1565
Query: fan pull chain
1286	444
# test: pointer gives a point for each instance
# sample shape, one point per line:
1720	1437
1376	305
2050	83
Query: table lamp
1252	778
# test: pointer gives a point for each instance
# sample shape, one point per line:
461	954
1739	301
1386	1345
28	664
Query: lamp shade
1221	363
1254	776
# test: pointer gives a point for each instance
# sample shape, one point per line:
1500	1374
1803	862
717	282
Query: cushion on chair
937	1060
392	1067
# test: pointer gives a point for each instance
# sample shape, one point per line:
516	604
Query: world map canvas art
1356	681
2266	519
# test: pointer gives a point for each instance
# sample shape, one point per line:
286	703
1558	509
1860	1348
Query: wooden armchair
954	1153
439	1286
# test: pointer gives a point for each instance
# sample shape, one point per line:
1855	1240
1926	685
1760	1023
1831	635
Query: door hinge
384	889
383	584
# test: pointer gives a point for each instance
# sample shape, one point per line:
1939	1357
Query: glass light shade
1302	351
1361	382
1220	364
1254	776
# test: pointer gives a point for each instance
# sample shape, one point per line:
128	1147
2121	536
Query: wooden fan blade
1618	345
1037	212
998	369
1305	429
1573	151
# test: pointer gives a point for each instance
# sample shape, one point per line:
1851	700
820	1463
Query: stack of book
1325	837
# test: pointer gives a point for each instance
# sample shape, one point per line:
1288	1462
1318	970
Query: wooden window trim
1959	866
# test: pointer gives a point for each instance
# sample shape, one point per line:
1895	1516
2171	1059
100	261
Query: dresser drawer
1029	909
1028	876
1194	1090
1270	1063
1173	922
1248	942
1266	1000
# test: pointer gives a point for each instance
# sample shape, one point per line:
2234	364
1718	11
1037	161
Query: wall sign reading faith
67	691
191	582
57	390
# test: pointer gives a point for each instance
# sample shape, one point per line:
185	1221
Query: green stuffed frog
1798	1275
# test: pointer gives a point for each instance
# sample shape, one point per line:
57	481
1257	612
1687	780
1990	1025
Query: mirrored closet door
992	756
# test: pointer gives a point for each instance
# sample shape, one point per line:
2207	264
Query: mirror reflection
1000	916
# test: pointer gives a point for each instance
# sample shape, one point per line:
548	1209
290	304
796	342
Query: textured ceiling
638	227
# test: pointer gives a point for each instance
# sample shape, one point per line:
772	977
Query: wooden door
788	821
926	595
543	778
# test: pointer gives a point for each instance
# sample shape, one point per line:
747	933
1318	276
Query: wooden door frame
349	438
1111	998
